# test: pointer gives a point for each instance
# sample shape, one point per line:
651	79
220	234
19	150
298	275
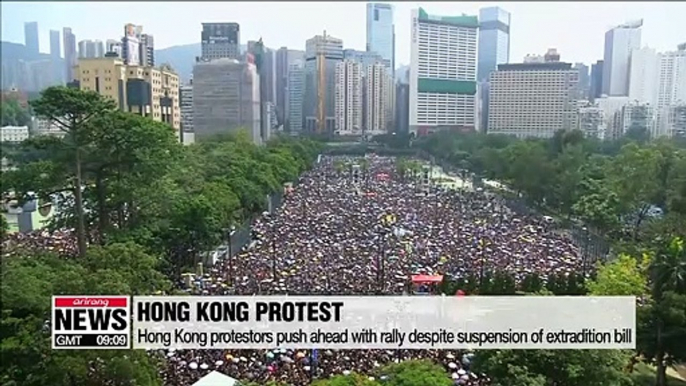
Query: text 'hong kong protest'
228	311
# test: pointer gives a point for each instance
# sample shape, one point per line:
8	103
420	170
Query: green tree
662	321
28	282
73	110
352	379
415	373
554	367
624	276
13	114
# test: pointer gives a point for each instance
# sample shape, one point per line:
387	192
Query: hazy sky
576	29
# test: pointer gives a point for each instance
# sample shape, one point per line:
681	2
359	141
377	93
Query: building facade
443	72
226	97
148	91
376	99
69	53
584	86
322	54
89	49
186	106
56	58
220	40
131	42
402	108
146	50
296	90
592	120
31	38
494	40
619	43
533	99
348	98
381	33
596	88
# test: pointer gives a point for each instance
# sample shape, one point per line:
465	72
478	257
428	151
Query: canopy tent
216	378
422	279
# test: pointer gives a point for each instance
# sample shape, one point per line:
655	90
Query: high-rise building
148	91
381	33
443	72
226	98
584	80
281	72
376	99
31	38
612	107
533	99
619	42
643	75
55	48
402	108
186	105
220	40
296	89
114	46
146	50
56	58
671	91
596	80
348	98
69	53
494	40
89	49
322	53
365	58
131	44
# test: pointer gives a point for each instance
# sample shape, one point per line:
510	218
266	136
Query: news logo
91	322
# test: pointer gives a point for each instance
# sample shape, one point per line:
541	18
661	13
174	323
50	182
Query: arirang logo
91	302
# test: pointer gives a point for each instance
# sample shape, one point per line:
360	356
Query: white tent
216	378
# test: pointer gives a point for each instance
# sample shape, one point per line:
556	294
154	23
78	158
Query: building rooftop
461	21
555	66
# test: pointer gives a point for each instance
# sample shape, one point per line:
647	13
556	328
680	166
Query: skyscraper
596	80
31	38
643	75
584	80
296	84
322	53
619	42
131	44
533	99
226	97
494	40
376	99
56	57
381	33
348	98
220	40
443	72
147	50
89	49
113	46
69	53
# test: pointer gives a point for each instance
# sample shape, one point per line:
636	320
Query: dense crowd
330	236
366	234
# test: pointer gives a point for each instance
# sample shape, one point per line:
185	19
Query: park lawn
644	375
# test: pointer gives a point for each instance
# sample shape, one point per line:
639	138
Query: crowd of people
366	232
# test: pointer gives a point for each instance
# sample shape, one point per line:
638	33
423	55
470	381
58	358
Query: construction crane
321	85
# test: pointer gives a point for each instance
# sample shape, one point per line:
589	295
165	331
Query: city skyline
576	30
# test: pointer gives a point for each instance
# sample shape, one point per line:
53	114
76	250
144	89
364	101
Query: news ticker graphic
384	322
91	322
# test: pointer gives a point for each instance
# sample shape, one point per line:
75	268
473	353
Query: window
376	15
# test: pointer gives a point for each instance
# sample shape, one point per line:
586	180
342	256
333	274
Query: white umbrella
193	365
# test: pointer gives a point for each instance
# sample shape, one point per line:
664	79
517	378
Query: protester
329	236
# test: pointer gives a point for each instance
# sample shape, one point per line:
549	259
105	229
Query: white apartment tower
376	99
643	75
619	43
348	100
533	99
442	72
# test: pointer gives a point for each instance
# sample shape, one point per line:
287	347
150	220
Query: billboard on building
132	35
